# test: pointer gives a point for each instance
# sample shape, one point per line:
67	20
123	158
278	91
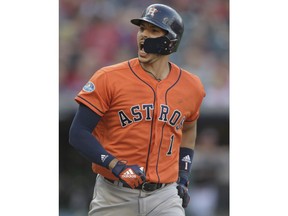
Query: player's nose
146	33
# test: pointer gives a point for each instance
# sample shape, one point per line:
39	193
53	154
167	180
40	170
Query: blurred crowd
97	33
209	185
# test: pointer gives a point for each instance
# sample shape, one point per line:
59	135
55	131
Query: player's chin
142	53
143	56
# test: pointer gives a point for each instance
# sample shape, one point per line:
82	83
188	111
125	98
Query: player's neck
159	70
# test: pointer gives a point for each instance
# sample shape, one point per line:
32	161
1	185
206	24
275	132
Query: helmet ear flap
160	45
173	45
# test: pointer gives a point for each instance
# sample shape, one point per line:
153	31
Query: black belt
146	186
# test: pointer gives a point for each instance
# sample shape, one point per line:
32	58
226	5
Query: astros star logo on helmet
152	11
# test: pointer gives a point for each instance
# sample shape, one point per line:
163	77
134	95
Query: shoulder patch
89	87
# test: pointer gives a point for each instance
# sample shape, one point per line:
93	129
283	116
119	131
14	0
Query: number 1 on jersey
169	153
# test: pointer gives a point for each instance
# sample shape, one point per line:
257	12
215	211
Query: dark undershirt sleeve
81	138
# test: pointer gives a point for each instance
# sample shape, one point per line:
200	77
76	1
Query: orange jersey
142	118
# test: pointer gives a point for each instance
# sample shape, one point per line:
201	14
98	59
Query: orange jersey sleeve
96	94
193	82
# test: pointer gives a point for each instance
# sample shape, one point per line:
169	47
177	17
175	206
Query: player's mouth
141	49
141	46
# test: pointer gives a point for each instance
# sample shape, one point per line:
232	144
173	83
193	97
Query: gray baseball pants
114	200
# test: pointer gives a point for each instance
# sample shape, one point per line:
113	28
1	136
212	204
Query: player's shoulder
188	76
111	71
115	67
191	80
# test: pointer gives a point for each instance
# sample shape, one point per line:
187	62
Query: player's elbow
73	136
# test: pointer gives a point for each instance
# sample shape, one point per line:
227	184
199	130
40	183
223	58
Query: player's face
147	30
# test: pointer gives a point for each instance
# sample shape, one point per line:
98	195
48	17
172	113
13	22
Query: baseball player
136	123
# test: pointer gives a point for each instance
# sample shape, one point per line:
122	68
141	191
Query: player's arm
81	138
189	132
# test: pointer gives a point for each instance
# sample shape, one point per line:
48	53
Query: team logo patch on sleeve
89	87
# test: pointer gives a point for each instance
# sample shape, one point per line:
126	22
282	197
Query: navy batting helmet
167	19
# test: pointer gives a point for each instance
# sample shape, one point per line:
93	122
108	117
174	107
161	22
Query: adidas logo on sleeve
103	158
186	159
